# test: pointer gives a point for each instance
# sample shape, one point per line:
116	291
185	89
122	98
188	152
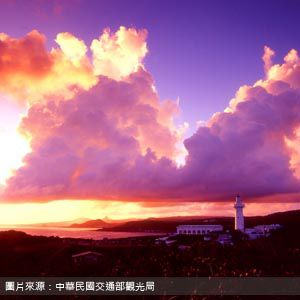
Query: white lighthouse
239	217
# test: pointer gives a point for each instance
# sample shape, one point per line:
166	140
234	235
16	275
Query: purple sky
199	51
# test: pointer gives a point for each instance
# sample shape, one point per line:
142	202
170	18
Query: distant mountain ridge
92	224
168	224
165	224
287	218
109	223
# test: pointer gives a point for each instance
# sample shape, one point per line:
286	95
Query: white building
226	239
198	229
261	230
239	216
267	228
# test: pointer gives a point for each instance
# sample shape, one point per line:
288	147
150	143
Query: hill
287	218
167	225
109	223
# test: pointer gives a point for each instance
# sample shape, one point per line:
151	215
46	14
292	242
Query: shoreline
82	233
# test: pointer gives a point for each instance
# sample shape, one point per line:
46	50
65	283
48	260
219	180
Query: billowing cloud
117	140
267	58
89	146
31	73
116	55
245	151
251	147
74	49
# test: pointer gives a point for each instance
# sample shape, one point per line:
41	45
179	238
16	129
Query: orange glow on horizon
68	210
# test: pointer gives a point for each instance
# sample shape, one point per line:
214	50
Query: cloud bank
105	134
31	73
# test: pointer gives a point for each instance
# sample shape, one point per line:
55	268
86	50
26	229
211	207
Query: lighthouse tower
239	217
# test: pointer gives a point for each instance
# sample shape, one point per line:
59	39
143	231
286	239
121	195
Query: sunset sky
134	109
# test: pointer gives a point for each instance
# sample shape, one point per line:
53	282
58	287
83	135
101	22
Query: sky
148	108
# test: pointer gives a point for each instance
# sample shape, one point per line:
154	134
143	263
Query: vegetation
277	255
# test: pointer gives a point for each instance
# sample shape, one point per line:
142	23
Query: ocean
86	233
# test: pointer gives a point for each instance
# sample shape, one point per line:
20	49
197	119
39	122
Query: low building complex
198	229
225	237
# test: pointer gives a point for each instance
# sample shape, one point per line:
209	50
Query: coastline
80	233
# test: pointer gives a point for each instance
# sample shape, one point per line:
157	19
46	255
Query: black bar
150	286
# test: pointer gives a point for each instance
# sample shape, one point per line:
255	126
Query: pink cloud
245	151
267	58
98	145
118	141
119	54
31	73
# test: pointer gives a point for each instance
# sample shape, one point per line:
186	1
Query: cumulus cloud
31	73
253	146
267	58
116	55
98	144
117	140
73	48
245	150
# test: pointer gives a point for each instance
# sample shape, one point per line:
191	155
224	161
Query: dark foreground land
277	255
